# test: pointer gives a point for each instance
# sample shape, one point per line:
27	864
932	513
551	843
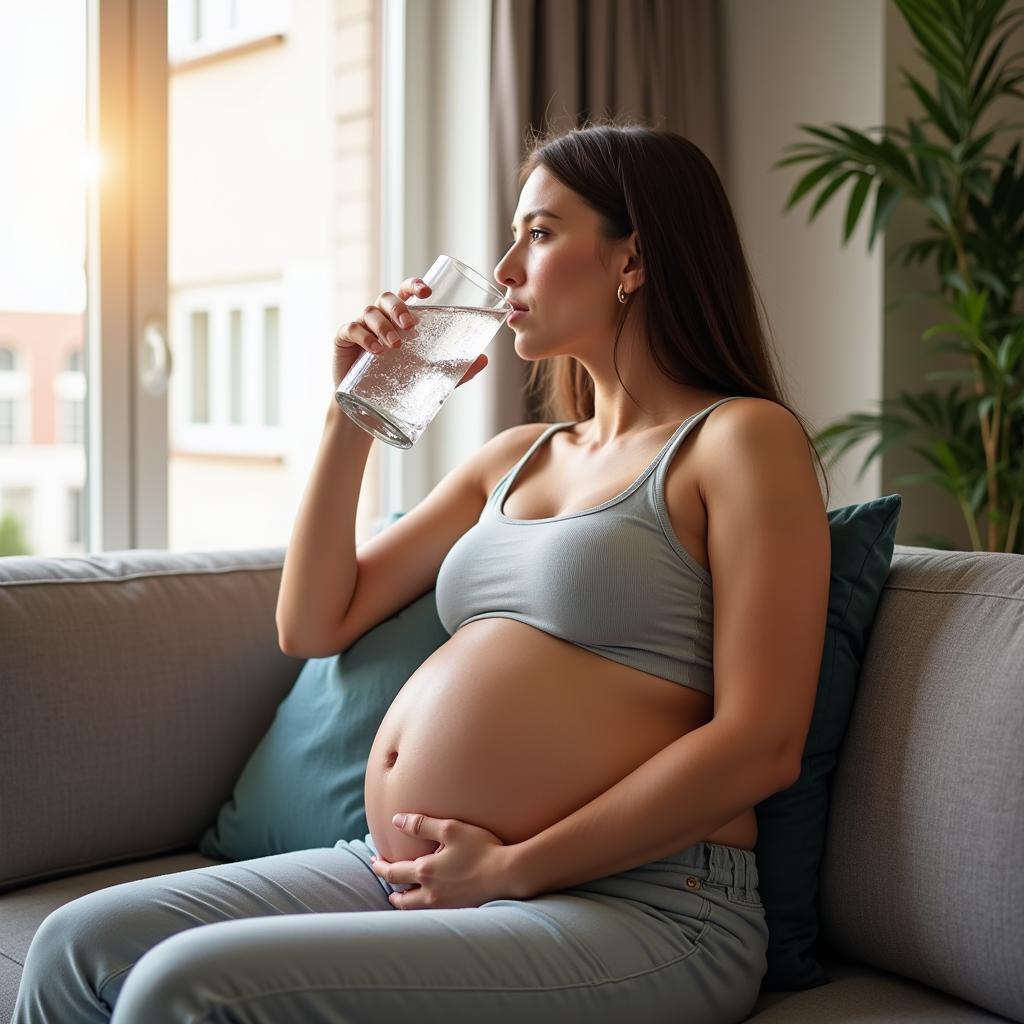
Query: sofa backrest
921	874
133	687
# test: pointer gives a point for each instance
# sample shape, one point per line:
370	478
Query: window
69	399
271	377
47	169
259	236
200	29
14	397
76	525
71	422
7	421
200	359
236	369
232	365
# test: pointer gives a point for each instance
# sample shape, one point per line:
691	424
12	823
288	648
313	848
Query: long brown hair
697	302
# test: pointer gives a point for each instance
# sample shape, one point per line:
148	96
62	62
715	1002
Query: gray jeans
311	938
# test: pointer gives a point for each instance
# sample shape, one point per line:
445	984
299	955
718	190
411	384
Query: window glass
270	241
44	173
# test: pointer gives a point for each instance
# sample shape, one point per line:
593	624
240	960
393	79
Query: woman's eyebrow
539	212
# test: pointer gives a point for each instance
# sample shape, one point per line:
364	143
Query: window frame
126	440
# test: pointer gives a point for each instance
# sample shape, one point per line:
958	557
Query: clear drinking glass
394	394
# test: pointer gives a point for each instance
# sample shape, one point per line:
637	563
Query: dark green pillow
302	786
791	823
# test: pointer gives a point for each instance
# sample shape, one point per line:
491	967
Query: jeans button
692	882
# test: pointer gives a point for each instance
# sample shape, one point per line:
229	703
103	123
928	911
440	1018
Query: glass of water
394	394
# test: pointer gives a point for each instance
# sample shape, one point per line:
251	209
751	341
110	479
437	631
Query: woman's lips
517	314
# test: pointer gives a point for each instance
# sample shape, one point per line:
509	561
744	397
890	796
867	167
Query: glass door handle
154	358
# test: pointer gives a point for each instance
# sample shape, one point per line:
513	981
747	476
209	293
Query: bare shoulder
752	430
751	414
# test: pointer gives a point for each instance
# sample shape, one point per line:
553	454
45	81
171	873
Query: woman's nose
503	273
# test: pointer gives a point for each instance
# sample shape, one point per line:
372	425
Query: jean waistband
731	867
728	866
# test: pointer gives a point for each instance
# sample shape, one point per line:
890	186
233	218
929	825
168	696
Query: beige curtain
556	63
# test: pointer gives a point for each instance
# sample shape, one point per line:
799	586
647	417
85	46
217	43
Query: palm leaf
886	200
827	192
978	87
809	180
857	197
935	112
982	29
939	206
936	50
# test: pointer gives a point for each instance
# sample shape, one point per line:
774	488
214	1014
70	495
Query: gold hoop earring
623	298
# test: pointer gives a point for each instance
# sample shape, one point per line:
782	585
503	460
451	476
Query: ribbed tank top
613	579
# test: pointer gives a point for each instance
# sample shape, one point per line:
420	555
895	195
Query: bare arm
318	581
319	574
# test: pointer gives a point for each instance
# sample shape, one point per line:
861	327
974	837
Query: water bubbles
411	383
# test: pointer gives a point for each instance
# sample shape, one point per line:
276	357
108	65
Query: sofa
134	685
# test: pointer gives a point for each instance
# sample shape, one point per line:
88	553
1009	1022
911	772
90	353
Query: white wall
785	63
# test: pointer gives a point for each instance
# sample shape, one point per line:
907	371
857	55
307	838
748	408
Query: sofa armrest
133	687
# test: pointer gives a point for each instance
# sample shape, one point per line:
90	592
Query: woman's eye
531	232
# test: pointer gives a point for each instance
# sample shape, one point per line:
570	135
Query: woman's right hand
377	330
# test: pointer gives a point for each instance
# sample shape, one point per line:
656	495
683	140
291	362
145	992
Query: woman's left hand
470	867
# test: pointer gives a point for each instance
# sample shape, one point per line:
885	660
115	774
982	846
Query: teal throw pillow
791	823
302	787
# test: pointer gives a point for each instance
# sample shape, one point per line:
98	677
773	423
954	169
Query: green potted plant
974	441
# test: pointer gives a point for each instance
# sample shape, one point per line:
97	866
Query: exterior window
200	367
270	374
235	367
7	411
198	29
72	421
231	345
75	525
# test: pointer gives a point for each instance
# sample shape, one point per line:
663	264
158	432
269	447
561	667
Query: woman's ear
634	265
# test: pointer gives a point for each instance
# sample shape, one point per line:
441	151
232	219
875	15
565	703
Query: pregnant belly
511	729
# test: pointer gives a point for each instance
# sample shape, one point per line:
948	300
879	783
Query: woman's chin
527	355
526	347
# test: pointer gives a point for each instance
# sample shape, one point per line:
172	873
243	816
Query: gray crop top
612	579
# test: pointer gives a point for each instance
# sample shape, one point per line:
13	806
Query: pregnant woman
636	595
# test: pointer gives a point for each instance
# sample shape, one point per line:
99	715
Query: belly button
390	758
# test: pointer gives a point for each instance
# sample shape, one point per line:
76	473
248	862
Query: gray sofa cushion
135	685
922	868
861	995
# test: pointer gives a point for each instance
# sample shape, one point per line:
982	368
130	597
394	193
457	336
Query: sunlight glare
92	165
